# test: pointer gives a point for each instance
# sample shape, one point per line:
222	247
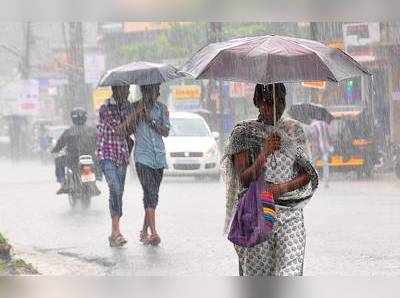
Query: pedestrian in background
321	147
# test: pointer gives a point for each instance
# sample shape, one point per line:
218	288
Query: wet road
352	228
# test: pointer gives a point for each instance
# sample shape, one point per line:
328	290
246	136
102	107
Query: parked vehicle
355	147
191	147
391	159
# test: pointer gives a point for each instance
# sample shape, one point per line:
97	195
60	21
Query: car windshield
188	127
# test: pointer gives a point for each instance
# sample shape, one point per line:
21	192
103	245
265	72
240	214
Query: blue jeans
150	179
60	163
115	177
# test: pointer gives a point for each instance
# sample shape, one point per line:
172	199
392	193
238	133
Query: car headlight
212	152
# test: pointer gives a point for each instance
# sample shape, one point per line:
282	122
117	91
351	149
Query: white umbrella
140	73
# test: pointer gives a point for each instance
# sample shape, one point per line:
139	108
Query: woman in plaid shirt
113	150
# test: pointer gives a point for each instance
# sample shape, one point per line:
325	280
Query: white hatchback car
191	147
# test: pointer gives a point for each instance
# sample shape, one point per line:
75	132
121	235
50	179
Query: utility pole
314	30
312	94
76	75
25	64
214	34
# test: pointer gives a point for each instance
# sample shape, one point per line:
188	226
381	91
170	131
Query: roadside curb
10	264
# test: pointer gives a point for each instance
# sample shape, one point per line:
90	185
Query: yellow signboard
186	92
337	161
314	84
99	96
336	45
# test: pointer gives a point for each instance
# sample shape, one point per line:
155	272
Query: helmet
78	116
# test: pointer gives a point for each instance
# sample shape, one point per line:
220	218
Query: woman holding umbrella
149	125
273	147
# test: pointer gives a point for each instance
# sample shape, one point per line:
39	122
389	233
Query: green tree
177	42
181	40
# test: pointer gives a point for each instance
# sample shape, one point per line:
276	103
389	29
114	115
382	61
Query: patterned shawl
250	135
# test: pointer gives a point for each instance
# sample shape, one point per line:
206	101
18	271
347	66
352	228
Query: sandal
117	240
144	237
154	239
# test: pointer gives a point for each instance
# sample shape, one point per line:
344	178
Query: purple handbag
249	226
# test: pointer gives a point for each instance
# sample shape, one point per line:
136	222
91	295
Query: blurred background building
47	68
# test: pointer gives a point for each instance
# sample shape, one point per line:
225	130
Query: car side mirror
215	135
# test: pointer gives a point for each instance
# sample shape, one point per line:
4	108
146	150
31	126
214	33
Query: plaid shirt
111	146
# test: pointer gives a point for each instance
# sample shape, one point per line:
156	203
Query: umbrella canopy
306	112
270	59
140	73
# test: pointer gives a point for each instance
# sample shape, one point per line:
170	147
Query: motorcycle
395	152
82	183
389	159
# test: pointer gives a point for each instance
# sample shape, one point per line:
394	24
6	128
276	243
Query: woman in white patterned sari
274	147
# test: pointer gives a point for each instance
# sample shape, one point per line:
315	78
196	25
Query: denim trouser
115	177
60	163
150	179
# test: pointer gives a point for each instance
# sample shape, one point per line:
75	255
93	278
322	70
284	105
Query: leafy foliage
177	42
3	240
181	40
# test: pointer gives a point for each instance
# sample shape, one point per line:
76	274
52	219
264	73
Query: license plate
186	161
88	178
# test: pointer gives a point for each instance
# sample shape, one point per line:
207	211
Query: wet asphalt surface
352	227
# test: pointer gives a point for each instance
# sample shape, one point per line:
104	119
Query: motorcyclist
77	140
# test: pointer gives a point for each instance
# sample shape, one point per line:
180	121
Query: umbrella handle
274	102
287	151
273	161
